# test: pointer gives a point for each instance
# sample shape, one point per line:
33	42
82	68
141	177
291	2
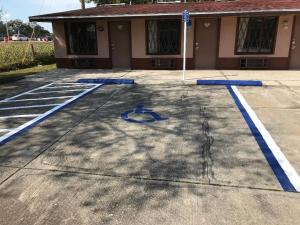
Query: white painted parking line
79	84
5	130
27	107
24	93
40	117
64	91
19	116
39	99
288	169
57	87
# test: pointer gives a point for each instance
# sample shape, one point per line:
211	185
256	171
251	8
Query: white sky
22	9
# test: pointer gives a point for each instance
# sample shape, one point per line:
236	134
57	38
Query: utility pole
82	4
5	20
7	32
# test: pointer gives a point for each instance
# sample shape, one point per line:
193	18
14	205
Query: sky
22	9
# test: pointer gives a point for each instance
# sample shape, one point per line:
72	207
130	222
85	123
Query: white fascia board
167	14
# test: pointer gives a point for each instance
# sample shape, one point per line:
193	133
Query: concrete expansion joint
208	182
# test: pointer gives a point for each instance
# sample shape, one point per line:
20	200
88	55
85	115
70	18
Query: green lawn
20	55
25	72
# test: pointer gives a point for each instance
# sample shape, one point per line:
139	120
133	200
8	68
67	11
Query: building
242	34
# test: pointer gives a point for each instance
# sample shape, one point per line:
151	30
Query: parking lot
197	162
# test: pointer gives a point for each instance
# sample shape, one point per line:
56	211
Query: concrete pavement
85	165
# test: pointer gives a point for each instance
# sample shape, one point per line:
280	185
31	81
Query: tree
40	31
2	25
82	4
15	26
2	29
18	26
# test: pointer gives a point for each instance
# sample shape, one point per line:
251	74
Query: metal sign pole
184	51
185	19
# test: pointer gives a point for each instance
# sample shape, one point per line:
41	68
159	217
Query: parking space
196	162
200	142
279	110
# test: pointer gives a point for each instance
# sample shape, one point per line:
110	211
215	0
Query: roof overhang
200	14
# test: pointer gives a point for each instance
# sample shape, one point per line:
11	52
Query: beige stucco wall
138	37
228	35
226	45
60	43
59	40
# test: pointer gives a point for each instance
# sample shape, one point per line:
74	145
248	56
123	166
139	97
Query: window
163	37
81	38
256	35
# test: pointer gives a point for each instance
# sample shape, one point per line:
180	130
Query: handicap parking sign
140	110
185	16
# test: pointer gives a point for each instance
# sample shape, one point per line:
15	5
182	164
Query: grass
18	74
19	55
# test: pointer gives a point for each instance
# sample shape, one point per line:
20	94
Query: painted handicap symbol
139	110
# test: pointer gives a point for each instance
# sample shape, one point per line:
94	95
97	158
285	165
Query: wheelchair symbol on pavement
141	110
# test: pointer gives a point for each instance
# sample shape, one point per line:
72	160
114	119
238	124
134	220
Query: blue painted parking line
11	133
140	110
231	82
283	170
106	81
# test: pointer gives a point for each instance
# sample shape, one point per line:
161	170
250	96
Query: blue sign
185	16
141	110
189	24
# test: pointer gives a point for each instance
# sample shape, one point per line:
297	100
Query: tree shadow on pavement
109	168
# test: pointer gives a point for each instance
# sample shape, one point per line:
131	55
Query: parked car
1	38
44	38
19	37
7	38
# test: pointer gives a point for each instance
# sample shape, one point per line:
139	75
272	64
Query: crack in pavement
207	165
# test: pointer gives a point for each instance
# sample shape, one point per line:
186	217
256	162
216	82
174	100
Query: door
295	46
206	43
120	44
